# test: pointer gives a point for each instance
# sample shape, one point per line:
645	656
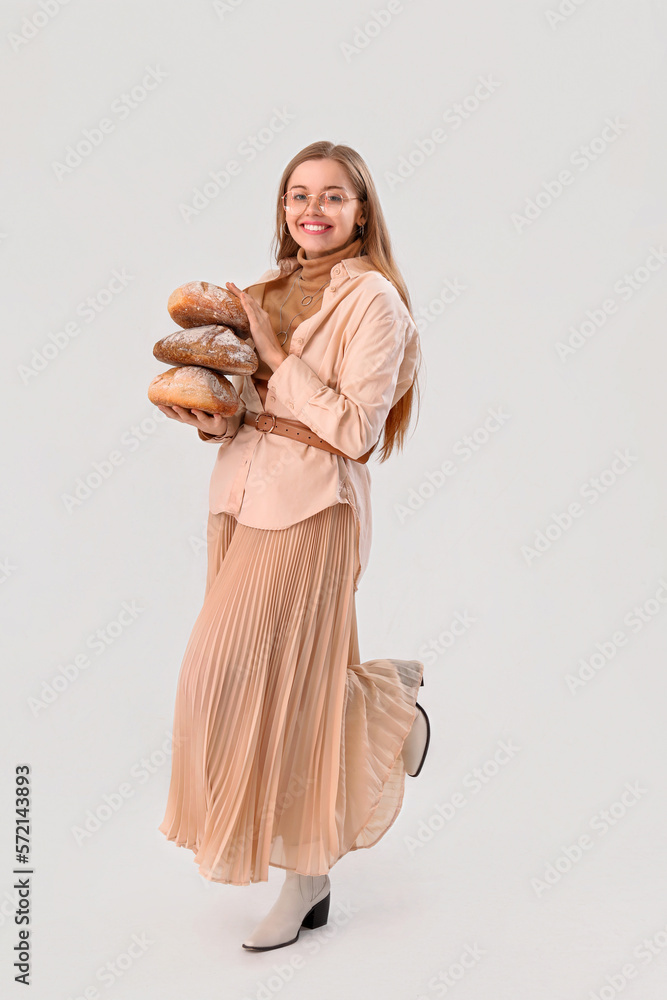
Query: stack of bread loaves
209	346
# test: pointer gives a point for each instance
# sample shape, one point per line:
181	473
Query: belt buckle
265	430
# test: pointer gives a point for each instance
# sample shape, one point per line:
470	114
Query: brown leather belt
271	424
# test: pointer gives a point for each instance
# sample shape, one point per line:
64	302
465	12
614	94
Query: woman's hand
265	341
210	423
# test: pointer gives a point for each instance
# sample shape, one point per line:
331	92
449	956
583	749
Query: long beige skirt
286	749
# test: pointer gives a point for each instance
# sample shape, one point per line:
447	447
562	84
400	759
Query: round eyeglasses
330	202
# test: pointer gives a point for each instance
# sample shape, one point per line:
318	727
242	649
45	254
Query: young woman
288	752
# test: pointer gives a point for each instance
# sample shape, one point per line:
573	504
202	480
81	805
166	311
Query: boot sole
414	774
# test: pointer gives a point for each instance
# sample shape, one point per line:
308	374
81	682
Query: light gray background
401	915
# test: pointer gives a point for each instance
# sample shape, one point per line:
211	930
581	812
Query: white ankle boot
303	902
416	743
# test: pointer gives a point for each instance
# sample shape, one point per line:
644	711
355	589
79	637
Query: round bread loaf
215	347
194	387
198	303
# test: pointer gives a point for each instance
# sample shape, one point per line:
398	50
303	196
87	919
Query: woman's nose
317	208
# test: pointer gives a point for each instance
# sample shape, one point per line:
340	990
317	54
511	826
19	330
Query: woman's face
313	177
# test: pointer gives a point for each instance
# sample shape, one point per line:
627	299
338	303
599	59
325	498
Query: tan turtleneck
288	291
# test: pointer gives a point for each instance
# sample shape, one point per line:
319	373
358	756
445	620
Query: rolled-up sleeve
352	416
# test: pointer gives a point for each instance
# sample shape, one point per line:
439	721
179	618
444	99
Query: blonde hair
376	245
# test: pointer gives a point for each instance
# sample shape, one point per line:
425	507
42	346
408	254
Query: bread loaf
215	347
199	303
194	387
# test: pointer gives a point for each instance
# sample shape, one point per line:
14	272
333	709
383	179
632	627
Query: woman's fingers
247	299
186	415
253	311
203	416
175	412
179	411
211	422
167	410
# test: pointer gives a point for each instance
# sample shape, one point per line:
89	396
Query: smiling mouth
315	227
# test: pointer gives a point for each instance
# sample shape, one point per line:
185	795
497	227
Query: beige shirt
283	299
348	363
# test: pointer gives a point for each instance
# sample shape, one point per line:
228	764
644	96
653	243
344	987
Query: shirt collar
349	267
352	265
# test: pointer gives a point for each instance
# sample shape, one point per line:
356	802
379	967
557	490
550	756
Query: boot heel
318	916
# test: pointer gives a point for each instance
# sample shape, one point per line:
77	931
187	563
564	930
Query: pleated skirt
286	749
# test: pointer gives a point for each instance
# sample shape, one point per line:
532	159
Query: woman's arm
352	418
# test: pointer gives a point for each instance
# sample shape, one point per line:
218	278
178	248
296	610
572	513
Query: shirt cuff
209	437
233	423
294	382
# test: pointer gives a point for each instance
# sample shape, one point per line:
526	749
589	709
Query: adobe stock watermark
32	25
116	968
562	12
121	108
455	117
596	318
312	941
296	788
432	650
247	151
592	490
98	642
636	619
450	291
112	802
7	569
224	7
237	844
581	158
381	366
363	34
274	634
88	309
446	979
602	822
9	904
200	543
644	952
463	450
263	478
102	470
472	784
268	819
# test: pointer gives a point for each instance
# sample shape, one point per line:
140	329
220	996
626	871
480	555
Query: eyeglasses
330	202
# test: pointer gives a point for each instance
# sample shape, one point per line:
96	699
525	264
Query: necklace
306	296
310	299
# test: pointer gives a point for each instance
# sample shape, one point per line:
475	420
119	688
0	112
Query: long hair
376	245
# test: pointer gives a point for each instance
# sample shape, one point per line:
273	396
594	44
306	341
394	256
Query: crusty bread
214	346
198	303
194	387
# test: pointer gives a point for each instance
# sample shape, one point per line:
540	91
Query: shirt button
336	269
290	402
298	340
333	288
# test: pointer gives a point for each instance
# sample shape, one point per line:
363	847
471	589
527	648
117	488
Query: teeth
314	229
